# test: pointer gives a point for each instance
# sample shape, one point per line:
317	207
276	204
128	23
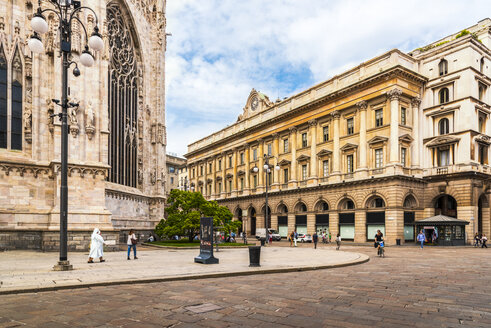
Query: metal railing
442	170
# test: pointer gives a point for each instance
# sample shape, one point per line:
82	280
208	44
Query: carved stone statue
72	115
89	112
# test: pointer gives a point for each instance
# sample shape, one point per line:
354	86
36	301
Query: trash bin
254	256
398	242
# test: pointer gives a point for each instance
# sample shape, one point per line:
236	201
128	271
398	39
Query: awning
440	220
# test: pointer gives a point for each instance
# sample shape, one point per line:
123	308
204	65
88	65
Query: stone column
310	223
313	151
276	153
360	226
362	106
293	142
247	166
334	225
234	166
415	102
224	172
214	175
394	225
260	173
336	151
394	95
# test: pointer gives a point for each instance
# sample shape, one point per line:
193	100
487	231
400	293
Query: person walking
291	238
421	238
132	244
295	237
315	238
484	239
338	241
329	236
244	237
96	246
476	240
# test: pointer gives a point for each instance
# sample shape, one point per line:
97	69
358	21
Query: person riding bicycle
379	239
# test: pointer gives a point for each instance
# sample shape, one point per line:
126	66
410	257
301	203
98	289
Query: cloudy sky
221	49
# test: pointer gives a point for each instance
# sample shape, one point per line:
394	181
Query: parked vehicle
304	238
260	234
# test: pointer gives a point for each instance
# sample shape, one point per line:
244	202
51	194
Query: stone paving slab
29	271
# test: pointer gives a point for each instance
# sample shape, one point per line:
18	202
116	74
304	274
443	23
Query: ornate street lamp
267	169
66	10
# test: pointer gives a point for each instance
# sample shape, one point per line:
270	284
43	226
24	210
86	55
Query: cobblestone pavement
434	287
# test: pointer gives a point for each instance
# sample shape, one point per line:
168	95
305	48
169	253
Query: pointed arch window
3	98
444	95
123	98
443	126
11	101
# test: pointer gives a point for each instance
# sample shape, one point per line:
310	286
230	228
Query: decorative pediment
229	176
200	183
406	138
349	146
483	139
209	180
240	173
284	162
303	158
377	139
256	103
219	178
442	140
324	153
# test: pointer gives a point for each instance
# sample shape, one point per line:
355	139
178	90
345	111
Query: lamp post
267	169
66	10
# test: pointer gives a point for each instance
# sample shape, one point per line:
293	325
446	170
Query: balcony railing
348	176
324	179
303	183
378	171
442	170
284	186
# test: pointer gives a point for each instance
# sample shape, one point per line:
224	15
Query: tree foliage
184	210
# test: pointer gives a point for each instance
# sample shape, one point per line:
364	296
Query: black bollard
254	256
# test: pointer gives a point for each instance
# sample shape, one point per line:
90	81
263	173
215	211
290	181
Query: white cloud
221	49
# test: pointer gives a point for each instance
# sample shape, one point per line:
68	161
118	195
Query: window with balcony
443	126
349	164
403	156
350	125
444	96
325	133
443	67
379	117
443	156
304	172
403	116
325	168
379	158
304	139
285	145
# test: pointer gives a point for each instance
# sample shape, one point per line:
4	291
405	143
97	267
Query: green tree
184	211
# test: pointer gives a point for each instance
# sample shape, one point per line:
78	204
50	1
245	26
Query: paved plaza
32	271
434	287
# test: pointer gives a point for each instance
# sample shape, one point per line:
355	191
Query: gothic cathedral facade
117	141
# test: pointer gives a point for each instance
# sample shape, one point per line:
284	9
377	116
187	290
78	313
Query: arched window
376	202
409	202
16	118
3	99
443	126
347	204
481	65
481	124
443	95
443	67
301	207
325	206
123	98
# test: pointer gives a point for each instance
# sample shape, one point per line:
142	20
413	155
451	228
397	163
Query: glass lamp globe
39	24
35	44
86	58
266	166
255	169
277	167
95	40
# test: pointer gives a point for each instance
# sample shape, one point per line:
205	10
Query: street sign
206	243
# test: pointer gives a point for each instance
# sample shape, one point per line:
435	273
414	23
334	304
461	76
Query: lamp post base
63	266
